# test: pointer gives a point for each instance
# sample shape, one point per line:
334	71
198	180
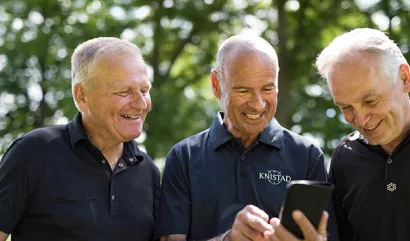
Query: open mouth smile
253	116
130	117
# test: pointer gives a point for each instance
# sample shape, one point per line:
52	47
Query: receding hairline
242	44
239	45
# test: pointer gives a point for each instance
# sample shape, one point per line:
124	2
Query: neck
390	147
111	149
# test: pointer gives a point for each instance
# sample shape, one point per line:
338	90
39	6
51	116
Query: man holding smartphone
369	80
227	182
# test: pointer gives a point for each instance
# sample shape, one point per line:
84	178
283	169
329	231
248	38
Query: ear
80	97
215	84
404	75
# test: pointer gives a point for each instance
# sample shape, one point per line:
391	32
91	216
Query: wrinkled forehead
354	67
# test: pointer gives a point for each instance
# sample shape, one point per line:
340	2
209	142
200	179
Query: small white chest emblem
391	187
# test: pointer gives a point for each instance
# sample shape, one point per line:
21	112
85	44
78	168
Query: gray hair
86	54
246	42
362	40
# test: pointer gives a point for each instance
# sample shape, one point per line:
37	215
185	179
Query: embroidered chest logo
275	177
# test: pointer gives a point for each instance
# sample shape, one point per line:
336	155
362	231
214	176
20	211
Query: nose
257	103
361	117
139	101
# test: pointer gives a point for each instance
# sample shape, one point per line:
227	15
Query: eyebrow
244	87
365	96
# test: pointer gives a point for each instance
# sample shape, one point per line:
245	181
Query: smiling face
117	101
373	105
249	93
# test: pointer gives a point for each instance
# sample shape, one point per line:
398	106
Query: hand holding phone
310	197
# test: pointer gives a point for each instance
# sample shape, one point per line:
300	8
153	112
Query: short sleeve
175	200
316	167
20	171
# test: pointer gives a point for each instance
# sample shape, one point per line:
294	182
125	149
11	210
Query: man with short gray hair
228	182
86	180
369	80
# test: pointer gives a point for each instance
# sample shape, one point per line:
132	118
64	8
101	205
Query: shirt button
120	165
103	161
131	159
389	160
113	197
243	174
242	158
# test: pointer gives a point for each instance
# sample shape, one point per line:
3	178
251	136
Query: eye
123	93
268	89
370	102
144	91
242	91
345	108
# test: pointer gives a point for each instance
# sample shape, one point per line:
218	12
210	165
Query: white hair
86	54
244	42
362	40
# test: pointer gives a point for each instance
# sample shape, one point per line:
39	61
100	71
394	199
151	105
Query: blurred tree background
179	39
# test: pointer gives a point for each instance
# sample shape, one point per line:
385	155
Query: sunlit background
179	40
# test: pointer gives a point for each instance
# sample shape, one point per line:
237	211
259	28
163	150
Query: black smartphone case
310	197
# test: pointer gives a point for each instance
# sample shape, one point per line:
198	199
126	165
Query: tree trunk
284	97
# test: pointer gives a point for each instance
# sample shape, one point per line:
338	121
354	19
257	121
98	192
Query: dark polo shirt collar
272	135
78	135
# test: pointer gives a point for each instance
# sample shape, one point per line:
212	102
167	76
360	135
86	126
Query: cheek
348	116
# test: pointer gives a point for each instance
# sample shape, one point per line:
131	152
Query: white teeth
131	117
253	117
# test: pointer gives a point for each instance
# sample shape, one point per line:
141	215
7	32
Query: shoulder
186	150
295	140
37	139
347	143
190	143
145	160
43	135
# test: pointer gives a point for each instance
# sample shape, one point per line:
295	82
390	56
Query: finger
254	218
243	231
322	227
308	230
280	233
258	212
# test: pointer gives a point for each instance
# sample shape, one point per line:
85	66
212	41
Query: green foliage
179	40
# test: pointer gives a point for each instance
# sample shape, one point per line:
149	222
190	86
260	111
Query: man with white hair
229	181
368	78
86	180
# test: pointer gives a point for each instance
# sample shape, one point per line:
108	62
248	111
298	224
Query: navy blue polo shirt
372	190
55	185
210	176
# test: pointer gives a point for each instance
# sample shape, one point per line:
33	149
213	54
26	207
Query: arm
250	223
20	173
174	212
316	165
3	236
343	228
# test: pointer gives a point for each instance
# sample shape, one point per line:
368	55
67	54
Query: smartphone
310	197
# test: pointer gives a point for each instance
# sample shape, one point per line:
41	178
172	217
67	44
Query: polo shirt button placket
243	174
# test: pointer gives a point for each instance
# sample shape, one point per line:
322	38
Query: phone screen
310	197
